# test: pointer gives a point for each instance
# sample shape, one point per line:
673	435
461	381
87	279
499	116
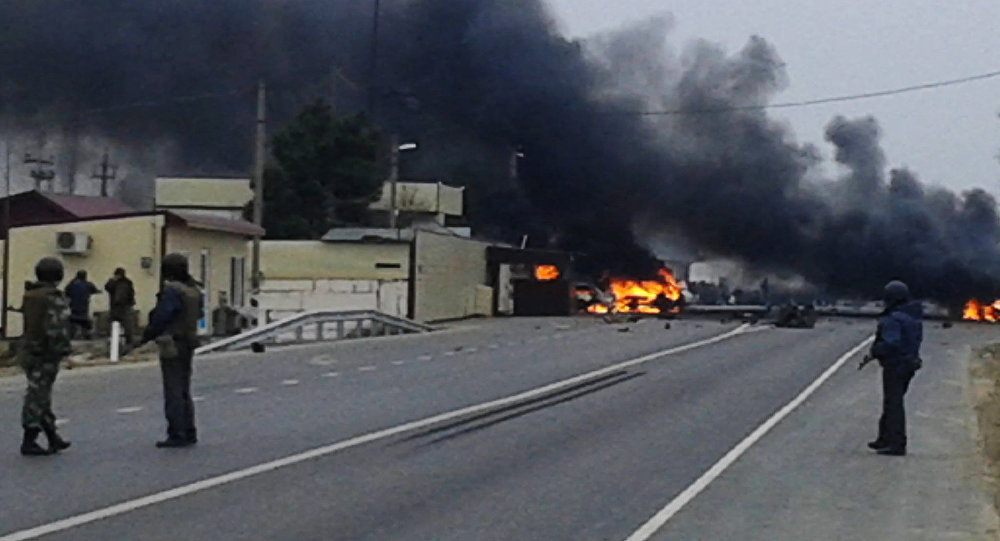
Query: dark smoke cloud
473	80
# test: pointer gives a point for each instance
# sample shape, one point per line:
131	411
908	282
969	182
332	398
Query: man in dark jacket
121	300
897	348
173	325
78	292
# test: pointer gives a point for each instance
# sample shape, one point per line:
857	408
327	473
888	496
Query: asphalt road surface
527	429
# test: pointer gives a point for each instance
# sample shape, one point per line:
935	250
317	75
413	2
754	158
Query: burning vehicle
662	295
979	311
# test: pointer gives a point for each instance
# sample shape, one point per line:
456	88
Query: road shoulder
813	477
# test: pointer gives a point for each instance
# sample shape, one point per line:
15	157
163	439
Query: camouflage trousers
37	411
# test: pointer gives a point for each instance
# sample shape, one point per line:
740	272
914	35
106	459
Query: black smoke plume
476	80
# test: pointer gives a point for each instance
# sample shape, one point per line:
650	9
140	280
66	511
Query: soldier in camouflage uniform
43	346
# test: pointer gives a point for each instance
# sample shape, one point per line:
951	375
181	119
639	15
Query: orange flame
977	311
546	273
597	309
642	296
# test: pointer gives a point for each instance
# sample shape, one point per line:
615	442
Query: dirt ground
985	374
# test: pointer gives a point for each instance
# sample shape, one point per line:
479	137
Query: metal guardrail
319	325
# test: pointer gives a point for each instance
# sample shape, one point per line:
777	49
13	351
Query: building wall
220	249
120	242
203	192
317	260
451	278
313	275
422	197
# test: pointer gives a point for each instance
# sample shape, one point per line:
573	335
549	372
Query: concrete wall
122	242
282	298
451	278
220	248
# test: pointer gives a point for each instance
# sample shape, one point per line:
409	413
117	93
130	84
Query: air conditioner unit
73	243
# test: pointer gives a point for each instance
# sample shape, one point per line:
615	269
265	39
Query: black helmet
175	267
50	270
896	292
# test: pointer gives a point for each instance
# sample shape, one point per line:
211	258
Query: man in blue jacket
897	348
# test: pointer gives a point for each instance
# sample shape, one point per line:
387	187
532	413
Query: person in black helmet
897	348
173	325
44	344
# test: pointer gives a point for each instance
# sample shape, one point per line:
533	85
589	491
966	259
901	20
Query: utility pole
373	63
42	172
107	172
393	182
6	240
258	182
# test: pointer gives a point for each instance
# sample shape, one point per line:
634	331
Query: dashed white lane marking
399	363
205	484
61	422
246	390
131	409
425	357
367	368
658	520
494	346
322	360
450	353
331	374
198	399
470	351
290	382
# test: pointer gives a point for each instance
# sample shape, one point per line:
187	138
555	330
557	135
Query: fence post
116	337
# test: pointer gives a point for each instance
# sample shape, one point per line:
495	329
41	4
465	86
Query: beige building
310	275
419	201
199	217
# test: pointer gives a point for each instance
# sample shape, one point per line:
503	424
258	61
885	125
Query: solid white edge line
658	520
198	486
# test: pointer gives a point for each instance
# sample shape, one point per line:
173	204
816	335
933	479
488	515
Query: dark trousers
83	322
892	425
177	403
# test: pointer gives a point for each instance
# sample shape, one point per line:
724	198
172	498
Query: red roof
82	206
214	223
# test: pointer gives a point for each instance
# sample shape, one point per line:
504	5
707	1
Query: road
528	429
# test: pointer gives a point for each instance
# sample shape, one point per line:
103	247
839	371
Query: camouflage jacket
46	331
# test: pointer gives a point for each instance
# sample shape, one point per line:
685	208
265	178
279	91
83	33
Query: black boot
30	447
56	443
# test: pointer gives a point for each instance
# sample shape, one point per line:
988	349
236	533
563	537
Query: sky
949	136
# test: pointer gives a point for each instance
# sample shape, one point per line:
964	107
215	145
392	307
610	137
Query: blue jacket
900	332
79	292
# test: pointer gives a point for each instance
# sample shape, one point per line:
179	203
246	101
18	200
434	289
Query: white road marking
198	399
425	357
450	353
61	422
132	409
331	374
470	351
246	390
494	346
231	477
399	363
658	520
367	368
290	382
322	360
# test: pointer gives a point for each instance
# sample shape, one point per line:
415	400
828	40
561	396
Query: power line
818	101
